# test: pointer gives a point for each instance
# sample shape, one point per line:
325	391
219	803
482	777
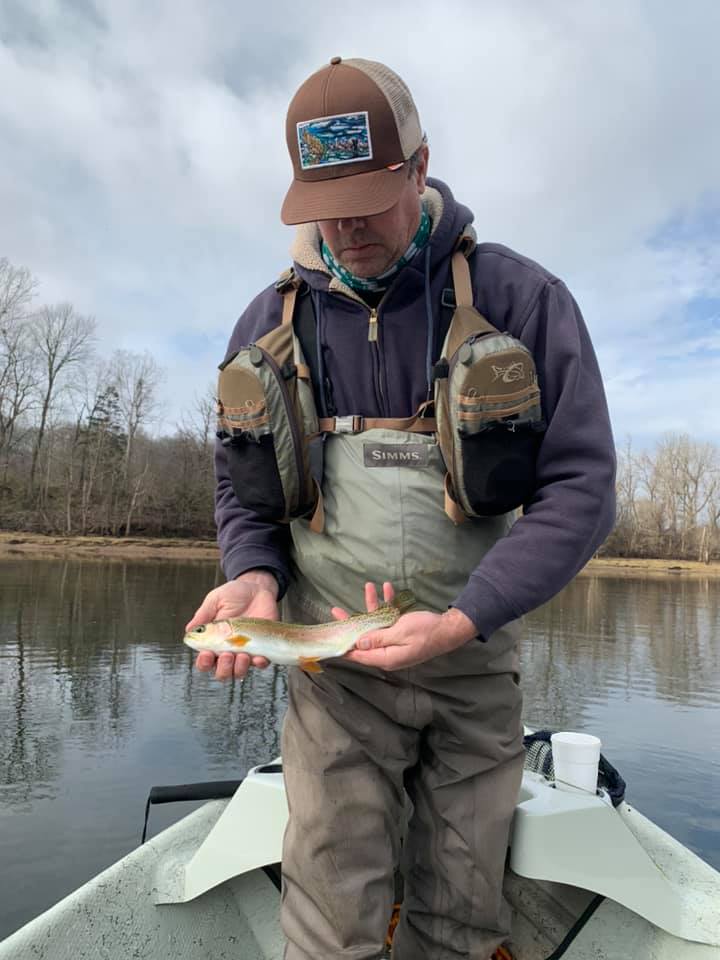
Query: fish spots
238	640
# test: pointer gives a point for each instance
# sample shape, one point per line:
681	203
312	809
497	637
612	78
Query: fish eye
200	629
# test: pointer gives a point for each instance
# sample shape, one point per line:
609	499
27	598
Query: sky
143	165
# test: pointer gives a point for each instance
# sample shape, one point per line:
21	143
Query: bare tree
102	443
136	377
711	543
197	426
62	338
17	360
193	479
18	379
17	289
688	473
624	536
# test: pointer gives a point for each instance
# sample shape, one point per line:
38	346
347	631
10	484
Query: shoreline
123	548
149	548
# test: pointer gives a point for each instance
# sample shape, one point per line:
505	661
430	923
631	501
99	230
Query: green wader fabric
356	740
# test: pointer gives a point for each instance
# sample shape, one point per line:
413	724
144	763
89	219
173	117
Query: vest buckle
349	424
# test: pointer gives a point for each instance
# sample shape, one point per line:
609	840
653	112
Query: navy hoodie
573	509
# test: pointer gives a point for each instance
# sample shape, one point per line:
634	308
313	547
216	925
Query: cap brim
360	195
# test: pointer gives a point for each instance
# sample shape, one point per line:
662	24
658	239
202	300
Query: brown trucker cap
350	128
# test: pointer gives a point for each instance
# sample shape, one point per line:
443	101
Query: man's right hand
252	594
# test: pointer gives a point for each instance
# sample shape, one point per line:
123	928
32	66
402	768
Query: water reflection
604	636
94	648
99	701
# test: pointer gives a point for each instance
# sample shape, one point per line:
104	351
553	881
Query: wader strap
451	508
303	371
414	424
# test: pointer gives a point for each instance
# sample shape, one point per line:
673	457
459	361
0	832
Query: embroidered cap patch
344	138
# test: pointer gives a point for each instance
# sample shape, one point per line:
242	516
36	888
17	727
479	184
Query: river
99	701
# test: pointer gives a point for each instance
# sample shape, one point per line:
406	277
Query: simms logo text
395	455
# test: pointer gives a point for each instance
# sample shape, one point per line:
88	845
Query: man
432	707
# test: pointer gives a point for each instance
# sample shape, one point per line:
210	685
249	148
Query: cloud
144	164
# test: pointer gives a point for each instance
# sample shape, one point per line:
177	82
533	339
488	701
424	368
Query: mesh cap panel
399	99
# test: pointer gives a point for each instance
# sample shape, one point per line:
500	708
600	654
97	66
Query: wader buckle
349	424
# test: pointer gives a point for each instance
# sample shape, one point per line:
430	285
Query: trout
294	643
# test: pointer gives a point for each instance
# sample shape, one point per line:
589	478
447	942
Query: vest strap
414	424
451	507
466	320
461	280
288	309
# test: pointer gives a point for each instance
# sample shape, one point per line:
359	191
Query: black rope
575	929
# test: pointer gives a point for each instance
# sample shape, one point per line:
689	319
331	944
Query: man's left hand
415	638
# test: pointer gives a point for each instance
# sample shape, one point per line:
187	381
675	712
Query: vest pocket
254	474
498	467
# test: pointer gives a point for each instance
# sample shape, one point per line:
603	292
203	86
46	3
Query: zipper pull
373	326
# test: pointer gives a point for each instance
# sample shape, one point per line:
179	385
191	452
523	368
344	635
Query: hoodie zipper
376	353
373	326
376	358
374	342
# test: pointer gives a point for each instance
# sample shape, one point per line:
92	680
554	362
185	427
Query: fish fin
310	664
238	640
402	601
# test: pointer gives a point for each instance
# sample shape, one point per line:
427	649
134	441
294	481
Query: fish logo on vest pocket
516	371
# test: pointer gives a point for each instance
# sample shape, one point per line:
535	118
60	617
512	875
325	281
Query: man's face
367	246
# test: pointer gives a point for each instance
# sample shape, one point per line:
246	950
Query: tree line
78	455
76	452
668	501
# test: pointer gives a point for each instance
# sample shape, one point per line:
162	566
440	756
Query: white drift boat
586	881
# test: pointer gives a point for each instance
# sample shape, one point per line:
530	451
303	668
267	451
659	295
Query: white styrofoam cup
575	759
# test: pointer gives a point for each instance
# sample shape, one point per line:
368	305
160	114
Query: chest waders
358	741
384	519
412	774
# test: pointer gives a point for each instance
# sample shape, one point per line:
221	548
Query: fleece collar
307	245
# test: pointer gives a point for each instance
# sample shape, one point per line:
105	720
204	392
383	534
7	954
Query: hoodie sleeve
246	542
573	509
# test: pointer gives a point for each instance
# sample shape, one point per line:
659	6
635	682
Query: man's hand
415	638
252	594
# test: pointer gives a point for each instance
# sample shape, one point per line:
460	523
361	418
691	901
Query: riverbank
128	548
617	566
147	548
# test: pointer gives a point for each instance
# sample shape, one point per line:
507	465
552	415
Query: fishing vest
485	413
